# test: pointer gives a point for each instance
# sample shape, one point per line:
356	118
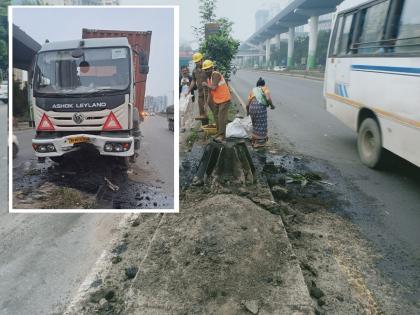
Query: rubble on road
103	182
208	260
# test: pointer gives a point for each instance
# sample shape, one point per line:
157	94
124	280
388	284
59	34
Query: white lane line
100	269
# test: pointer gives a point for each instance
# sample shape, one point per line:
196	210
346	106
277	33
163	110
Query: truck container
140	44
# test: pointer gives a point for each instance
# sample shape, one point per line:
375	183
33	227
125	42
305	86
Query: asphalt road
384	204
45	257
158	148
3	157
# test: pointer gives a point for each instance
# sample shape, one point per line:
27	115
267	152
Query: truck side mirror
144	69
144	63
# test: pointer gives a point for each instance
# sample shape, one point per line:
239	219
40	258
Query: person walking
185	82
198	77
259	99
219	98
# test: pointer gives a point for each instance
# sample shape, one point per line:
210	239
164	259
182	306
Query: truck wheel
369	144
57	159
136	119
15	150
125	163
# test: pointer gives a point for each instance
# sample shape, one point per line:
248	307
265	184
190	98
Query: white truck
83	94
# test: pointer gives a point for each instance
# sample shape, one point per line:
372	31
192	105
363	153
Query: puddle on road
101	176
288	176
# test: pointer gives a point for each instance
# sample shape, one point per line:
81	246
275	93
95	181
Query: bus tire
369	144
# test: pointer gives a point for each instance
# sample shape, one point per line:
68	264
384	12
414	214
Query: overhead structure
297	13
24	49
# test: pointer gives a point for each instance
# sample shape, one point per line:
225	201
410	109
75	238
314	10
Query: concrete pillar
261	57
278	45
267	52
313	38
290	47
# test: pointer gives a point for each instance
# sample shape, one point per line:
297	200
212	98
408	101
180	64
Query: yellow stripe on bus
380	112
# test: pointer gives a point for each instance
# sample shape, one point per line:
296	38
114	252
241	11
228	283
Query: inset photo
92	109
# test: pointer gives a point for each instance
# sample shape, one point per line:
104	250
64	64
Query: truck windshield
97	69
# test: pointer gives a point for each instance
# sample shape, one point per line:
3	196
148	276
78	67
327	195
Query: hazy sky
57	24
241	12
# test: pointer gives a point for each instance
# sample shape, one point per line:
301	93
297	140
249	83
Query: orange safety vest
221	94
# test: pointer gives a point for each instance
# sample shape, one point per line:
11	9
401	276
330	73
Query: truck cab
83	94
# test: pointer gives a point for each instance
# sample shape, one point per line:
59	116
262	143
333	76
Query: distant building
155	103
261	18
325	22
300	31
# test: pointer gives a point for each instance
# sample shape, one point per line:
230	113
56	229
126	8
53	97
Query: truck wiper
101	91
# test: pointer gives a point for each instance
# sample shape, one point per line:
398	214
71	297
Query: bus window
408	38
336	37
346	35
373	19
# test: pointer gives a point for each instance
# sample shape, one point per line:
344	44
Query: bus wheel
369	144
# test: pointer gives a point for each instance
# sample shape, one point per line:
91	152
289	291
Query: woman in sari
259	99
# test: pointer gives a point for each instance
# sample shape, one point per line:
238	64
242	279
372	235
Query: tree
322	47
4	58
207	10
220	47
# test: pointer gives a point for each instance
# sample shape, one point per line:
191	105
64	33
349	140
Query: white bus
372	78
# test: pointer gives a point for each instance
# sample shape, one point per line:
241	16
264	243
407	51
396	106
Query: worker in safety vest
198	77
219	98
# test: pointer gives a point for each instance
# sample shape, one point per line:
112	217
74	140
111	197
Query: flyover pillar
261	58
278	44
313	39
267	52
290	47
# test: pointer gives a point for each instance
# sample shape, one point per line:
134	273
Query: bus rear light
112	123
45	124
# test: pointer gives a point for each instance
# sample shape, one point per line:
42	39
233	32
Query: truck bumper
64	145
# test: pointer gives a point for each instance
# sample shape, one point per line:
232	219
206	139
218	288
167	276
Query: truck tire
57	159
136	133
369	144
125	163
136	119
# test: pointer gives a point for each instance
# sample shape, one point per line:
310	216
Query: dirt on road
93	181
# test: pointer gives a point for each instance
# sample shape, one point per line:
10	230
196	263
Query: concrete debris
251	306
103	302
111	185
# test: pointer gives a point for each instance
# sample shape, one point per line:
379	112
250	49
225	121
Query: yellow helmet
197	57
207	64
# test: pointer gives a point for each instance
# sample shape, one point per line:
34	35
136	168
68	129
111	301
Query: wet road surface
147	184
384	204
45	257
3	157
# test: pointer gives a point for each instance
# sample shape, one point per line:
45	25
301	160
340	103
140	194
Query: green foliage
20	101
220	47
207	10
280	56
3	35
301	50
322	47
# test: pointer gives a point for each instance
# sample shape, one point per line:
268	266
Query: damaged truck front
84	95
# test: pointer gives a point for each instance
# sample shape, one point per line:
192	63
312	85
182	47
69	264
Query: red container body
139	42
